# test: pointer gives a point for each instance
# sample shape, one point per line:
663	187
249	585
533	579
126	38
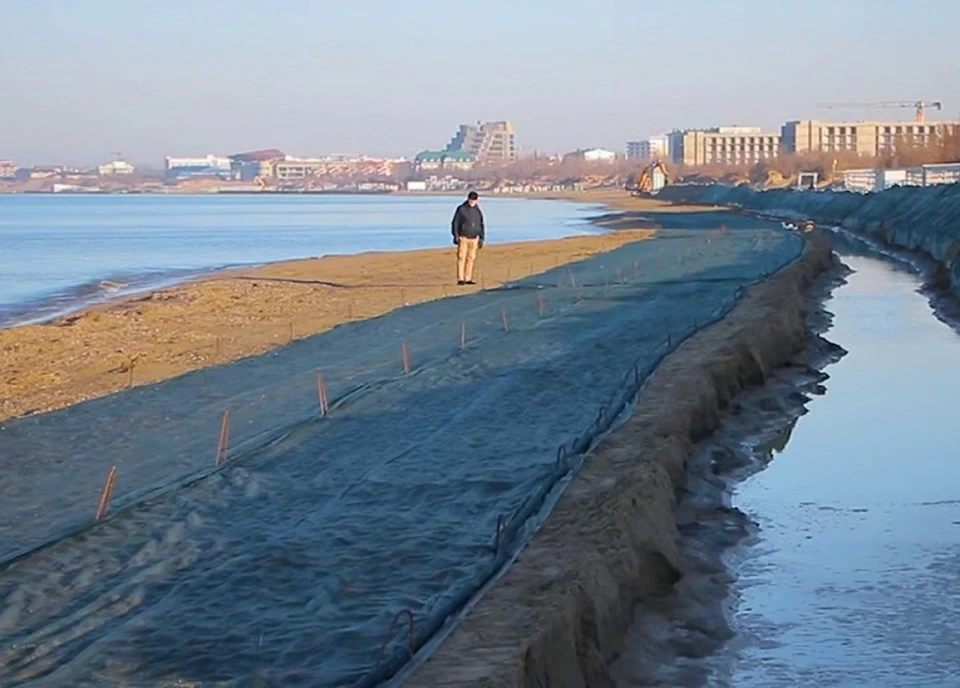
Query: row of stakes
323	400
222	450
637	271
223	440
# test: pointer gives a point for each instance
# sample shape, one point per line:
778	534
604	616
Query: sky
80	79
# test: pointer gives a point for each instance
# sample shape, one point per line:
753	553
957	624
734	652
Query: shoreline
102	290
225	315
560	615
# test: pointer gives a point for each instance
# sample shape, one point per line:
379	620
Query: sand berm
558	616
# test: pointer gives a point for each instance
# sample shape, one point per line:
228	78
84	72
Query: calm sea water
58	253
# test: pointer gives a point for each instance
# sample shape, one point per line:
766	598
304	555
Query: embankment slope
922	219
559	614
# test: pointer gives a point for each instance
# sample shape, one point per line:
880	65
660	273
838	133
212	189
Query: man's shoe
460	283
469	282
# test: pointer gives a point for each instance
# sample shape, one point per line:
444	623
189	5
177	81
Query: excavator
651	178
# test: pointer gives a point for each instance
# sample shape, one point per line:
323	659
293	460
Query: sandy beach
237	313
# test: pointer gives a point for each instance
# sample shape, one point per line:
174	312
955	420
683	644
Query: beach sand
238	313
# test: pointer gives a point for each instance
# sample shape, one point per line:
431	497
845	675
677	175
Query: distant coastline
174	190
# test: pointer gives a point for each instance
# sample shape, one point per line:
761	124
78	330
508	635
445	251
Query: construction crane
919	106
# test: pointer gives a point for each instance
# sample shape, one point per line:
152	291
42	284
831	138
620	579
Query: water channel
853	577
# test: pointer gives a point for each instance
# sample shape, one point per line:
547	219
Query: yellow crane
919	106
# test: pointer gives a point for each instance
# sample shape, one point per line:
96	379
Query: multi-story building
488	142
868	138
207	166
7	169
653	148
735	145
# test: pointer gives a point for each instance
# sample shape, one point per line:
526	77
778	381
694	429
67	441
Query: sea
60	253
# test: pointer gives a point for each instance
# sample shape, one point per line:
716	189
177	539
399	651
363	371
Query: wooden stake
541	305
105	493
223	442
463	336
322	396
410	633
405	357
216	349
503	319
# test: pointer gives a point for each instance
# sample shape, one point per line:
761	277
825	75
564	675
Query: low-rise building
334	167
292	169
876	179
7	169
444	160
206	166
592	155
115	168
943	173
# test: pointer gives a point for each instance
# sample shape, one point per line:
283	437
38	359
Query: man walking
468	235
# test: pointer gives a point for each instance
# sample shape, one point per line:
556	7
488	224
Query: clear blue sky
82	78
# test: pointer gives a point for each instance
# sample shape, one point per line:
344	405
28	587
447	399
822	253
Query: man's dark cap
472	196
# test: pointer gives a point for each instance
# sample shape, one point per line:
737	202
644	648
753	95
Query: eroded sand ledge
559	615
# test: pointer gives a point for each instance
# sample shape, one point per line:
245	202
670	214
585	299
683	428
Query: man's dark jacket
468	222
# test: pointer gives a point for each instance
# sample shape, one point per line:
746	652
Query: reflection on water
855	576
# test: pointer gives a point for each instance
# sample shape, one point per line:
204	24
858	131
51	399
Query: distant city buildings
487	142
653	148
253	165
115	168
865	180
592	155
206	166
7	169
869	138
292	169
429	161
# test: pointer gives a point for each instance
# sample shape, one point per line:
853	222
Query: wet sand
238	313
